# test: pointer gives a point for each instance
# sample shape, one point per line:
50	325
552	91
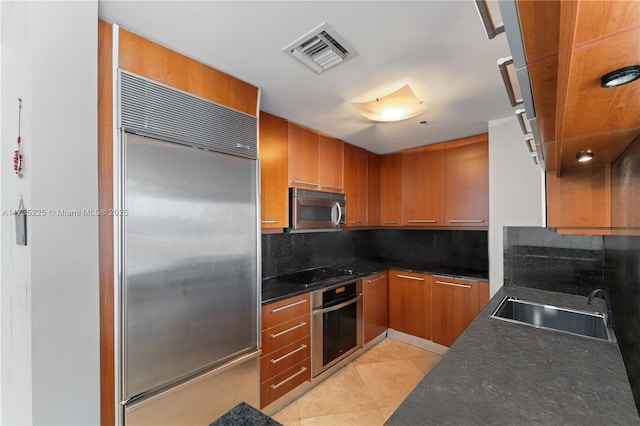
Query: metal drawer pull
491	29
356	221
409	277
302	324
302	370
502	66
339	188
390	221
282	308
269	221
520	114
453	284
302	347
305	183
466	220
422	221
377	279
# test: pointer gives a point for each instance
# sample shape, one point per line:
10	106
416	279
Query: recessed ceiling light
620	76
584	156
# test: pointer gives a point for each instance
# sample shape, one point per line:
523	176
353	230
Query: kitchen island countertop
503	373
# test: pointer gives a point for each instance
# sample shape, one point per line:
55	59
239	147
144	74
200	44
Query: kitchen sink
579	323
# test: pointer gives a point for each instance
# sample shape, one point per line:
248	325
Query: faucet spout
607	300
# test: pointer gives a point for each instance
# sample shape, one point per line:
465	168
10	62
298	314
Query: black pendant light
620	76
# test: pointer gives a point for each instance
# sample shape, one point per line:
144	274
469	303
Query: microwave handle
338	211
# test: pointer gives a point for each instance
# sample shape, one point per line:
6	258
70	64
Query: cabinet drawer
284	310
284	382
285	358
284	334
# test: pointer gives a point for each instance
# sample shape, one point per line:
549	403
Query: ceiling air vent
321	49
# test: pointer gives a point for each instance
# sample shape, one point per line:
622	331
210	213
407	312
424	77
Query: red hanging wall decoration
17	154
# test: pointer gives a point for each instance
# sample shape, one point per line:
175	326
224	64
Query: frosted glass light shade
396	106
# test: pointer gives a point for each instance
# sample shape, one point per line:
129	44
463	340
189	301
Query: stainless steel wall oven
337	324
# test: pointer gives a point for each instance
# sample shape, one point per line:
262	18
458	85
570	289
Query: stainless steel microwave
316	210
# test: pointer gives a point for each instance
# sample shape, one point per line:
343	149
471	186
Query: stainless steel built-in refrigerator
189	316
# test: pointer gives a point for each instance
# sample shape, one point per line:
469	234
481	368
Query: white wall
515	190
50	323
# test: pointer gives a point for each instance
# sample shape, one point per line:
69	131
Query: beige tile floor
366	391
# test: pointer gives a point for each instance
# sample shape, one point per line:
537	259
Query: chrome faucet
607	301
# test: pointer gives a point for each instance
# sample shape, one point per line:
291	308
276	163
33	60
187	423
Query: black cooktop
313	275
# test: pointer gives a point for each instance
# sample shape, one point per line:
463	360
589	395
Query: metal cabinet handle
421	221
502	66
520	114
491	29
466	220
353	222
339	188
277	360
302	370
377	279
288	330
453	284
300	182
409	277
390	221
269	221
282	308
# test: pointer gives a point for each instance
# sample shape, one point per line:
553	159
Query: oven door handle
338	306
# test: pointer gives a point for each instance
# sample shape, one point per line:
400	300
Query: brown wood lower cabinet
286	347
456	303
410	303
376	318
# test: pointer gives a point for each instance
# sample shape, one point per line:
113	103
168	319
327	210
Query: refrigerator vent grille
153	109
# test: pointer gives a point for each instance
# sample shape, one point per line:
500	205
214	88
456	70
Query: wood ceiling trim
568	21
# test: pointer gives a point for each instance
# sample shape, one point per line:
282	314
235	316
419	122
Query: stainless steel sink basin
580	323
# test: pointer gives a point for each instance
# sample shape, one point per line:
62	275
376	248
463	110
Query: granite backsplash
290	252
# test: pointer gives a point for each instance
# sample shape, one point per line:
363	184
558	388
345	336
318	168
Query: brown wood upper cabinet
423	186
315	161
274	160
355	171
391	189
466	182
373	196
410	303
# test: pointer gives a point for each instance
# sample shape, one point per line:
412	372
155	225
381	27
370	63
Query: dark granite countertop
502	373
274	289
244	415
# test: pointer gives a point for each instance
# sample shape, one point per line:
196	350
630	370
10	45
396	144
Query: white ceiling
438	47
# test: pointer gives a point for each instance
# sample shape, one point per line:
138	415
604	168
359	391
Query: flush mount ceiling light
620	76
584	156
396	106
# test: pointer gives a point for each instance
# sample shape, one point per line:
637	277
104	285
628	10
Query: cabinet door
410	303
375	306
580	198
466	179
391	190
373	189
273	154
330	159
455	304
423	186
355	170
303	157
